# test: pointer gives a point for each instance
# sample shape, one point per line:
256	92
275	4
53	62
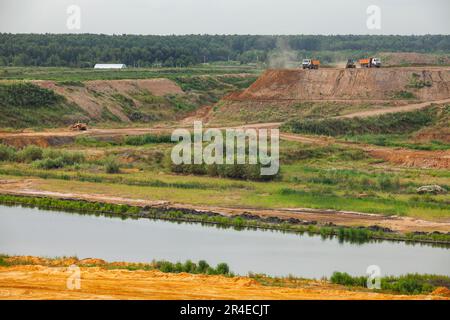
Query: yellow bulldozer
79	127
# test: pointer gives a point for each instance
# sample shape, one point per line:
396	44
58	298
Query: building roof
109	66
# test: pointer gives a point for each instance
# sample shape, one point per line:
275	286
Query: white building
109	66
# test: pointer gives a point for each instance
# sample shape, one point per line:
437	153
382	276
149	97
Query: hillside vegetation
42	103
425	129
28	105
402	122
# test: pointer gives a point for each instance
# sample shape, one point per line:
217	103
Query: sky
164	17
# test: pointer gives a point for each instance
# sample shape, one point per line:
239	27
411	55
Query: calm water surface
25	231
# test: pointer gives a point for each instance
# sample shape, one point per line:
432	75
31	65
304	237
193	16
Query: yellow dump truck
370	63
310	64
79	126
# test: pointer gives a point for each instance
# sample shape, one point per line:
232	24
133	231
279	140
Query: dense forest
84	50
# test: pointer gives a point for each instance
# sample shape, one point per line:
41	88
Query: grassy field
330	177
280	111
76	74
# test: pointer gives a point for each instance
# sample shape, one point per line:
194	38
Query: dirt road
36	281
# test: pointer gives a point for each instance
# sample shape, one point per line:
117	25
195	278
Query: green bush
111	165
30	153
403	94
406	284
68	158
55	159
202	266
347	280
386	183
232	171
49	163
417	83
147	139
190	267
7	153
222	268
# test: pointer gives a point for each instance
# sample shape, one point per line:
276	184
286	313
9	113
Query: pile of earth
349	84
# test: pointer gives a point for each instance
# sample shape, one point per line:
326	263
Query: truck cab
376	62
370	63
306	63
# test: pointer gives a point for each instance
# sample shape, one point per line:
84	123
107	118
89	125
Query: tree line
84	50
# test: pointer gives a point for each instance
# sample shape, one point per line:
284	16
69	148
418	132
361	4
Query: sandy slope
354	84
43	282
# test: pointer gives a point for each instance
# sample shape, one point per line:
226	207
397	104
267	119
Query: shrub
417	83
232	171
49	163
147	139
7	153
30	153
54	159
222	268
403	94
406	284
345	279
69	158
111	165
202	266
385	183
189	267
165	266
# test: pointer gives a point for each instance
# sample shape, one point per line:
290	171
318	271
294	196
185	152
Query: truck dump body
370	62
364	61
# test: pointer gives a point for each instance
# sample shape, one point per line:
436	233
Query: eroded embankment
425	84
94	96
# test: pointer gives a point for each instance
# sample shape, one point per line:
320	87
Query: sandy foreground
37	281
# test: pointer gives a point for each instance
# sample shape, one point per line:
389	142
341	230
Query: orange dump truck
310	64
370	63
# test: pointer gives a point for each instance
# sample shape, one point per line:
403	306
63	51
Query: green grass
142	140
28	105
392	123
19	94
267	111
406	284
397	141
403	95
61	74
330	177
